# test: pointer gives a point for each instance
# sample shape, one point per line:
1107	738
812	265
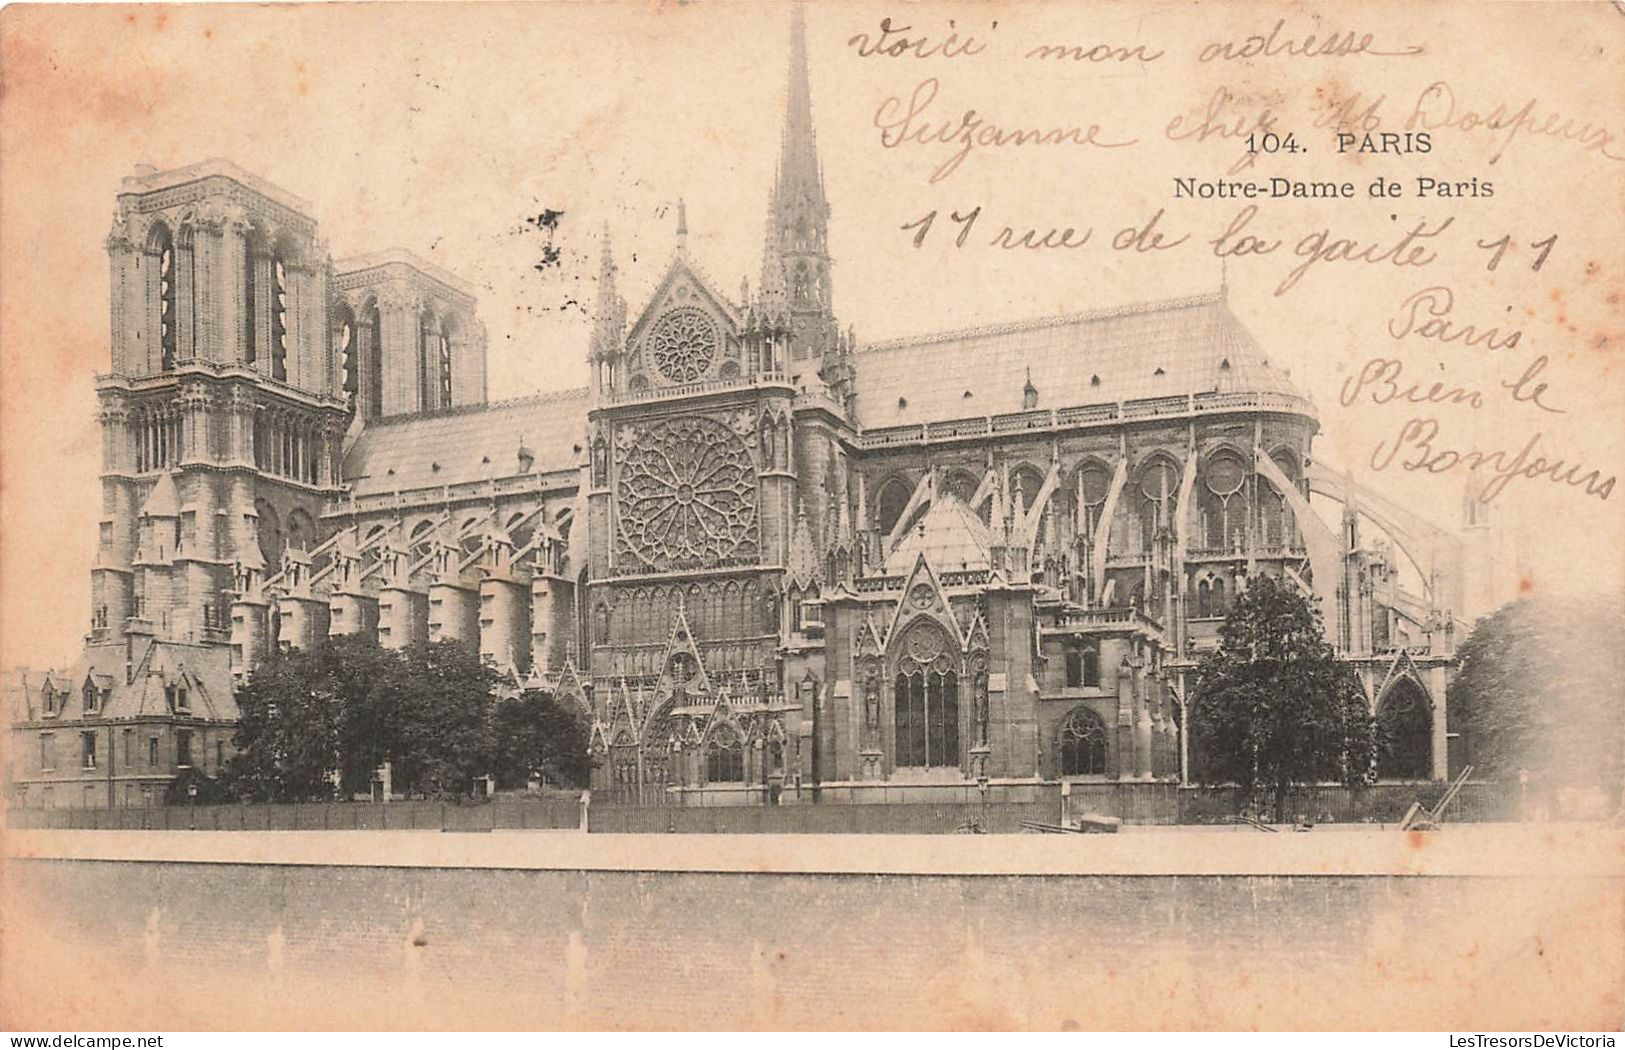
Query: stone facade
764	561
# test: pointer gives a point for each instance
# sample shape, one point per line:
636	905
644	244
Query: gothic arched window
1276	523
1094	482
1081	741
893	499
926	705
1224	501
163	250
443	343
346	347
1159	494
279	317
724	757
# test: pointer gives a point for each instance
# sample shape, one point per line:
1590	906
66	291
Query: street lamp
191	797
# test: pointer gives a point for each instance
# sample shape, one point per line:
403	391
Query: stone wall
132	945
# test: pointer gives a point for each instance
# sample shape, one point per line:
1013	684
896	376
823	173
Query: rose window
687	495
683	344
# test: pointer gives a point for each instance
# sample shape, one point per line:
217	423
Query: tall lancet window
345	344
444	342
925	700
166	299
279	318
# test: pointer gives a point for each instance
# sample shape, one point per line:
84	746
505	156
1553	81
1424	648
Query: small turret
609	324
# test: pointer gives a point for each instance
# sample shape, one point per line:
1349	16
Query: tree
287	739
535	733
442	729
1539	688
1273	707
340	711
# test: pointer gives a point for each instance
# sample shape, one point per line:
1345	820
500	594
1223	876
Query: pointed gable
163	501
923	598
685	312
681	666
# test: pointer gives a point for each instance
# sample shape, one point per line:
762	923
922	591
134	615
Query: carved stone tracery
684	344
686	495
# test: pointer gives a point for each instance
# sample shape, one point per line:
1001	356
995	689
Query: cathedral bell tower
222	415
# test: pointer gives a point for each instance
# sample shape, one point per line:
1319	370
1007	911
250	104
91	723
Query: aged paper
1407	219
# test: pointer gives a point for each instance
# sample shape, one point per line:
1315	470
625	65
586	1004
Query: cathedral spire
798	155
796	248
609	320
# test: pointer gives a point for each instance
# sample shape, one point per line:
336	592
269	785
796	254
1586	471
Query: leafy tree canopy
1272	706
320	723
1541	687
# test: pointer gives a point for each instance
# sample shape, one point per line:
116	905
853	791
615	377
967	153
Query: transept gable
683	288
923	600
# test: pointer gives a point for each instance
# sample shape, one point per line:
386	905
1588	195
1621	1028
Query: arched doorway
1405	733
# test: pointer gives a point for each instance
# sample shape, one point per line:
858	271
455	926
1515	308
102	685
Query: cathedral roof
468	443
952	537
1161	349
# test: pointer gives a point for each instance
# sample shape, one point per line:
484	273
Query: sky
443	129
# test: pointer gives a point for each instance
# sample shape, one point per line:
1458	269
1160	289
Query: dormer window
92	699
181	703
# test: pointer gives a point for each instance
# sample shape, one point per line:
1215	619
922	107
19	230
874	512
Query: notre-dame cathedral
767	562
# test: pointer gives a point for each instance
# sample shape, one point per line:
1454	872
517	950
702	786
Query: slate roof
402	452
952	537
204	669
1174	347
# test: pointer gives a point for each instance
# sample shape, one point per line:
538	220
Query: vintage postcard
822	515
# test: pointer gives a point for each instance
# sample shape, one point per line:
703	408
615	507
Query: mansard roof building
763	559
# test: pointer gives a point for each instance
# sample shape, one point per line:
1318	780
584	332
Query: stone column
504	622
151	351
352	612
403	616
264	290
1122	755
249	624
453	612
397	313
181	260
304	621
205	281
230	281
1437	685
121	271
